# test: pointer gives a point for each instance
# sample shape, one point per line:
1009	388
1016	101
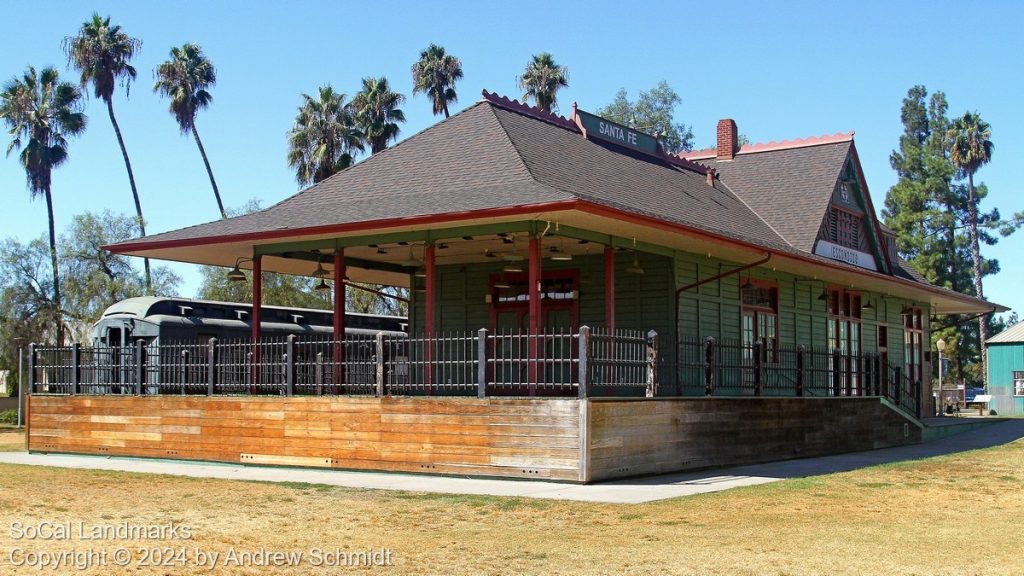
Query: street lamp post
941	345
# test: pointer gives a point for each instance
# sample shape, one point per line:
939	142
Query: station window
913	340
1018	383
844	334
760	318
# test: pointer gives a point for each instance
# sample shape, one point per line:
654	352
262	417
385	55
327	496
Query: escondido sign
844	254
602	129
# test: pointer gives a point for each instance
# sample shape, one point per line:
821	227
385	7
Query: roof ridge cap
772	145
525	109
369	158
515	150
757	214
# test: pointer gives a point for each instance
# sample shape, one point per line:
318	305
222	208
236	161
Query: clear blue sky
781	70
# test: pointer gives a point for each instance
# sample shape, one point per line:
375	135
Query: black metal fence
711	367
483	363
507	363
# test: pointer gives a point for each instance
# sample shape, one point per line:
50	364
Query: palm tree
377	113
102	53
970	148
542	79
41	112
324	137
185	79
435	75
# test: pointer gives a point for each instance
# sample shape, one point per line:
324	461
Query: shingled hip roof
489	157
501	155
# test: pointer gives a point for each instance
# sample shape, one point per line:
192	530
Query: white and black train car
175	333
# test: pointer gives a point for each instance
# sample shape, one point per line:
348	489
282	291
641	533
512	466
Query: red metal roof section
527	110
708	153
571	124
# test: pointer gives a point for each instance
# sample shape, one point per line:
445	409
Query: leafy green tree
26	297
324	139
95	278
435	75
924	211
186	79
542	80
102	54
293	291
377	113
654	113
42	112
930	210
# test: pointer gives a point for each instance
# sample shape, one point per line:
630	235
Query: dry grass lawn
881	520
11	441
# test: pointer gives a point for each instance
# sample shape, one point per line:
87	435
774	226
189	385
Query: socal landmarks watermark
196	557
84	531
162	545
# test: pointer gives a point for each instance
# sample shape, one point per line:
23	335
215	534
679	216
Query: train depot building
582	306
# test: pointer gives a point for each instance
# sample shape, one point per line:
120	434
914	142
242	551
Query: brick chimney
727	139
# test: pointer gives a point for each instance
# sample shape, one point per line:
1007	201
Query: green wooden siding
1003	361
645	302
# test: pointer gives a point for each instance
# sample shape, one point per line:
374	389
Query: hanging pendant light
319	272
322	286
635	267
236	274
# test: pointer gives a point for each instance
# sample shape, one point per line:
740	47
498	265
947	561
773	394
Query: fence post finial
481	367
76	368
211	367
652	364
289	375
379	370
709	366
583	364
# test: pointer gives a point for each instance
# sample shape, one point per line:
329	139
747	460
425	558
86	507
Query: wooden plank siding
493	437
633	437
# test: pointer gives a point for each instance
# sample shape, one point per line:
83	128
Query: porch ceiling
388	255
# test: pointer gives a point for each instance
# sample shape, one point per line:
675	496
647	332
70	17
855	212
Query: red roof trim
709	153
527	110
601	210
126	247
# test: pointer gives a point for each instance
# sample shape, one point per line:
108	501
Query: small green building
1006	371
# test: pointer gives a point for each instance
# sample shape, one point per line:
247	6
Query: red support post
535	312
430	312
609	288
609	302
339	318
257	318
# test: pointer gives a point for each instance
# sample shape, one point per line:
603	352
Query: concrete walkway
630	491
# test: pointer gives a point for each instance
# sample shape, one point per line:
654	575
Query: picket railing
714	367
555	363
483	363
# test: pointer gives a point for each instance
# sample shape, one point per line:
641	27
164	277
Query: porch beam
393	237
339	315
257	296
430	303
609	288
354	262
614	241
534	288
257	318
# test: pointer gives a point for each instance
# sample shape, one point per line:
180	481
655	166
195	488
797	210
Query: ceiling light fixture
236	274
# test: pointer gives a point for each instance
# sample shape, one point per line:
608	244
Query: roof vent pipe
711	176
